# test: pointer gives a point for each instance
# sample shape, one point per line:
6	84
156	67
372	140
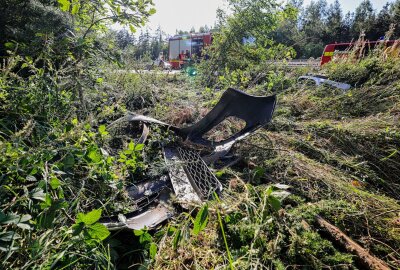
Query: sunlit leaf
55	183
153	250
139	147
38	194
152	11
274	202
98	231
65	4
201	220
94	155
102	130
89	218
75	9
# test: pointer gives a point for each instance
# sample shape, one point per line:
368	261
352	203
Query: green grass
338	152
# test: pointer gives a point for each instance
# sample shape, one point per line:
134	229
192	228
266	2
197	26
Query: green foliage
39	183
371	70
61	171
318	24
254	20
201	220
87	223
147	242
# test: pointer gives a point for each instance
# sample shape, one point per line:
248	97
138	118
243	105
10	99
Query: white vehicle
162	64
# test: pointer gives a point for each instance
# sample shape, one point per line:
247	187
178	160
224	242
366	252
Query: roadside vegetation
326	153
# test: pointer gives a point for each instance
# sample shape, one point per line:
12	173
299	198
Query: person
182	55
187	54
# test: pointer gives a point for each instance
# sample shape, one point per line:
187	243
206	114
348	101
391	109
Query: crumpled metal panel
149	218
319	80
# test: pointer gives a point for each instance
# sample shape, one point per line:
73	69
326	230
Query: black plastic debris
191	179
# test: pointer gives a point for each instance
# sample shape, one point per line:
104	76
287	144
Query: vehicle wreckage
189	179
324	80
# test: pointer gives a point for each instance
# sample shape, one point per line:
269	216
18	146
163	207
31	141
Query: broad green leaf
31	178
24	226
102	130
281	186
55	183
138	232
9	45
75	9
13	218
269	191
274	202
153	250
98	231
201	220
139	147
220	173
89	218
68	161
131	146
47	202
152	11
145	238
9	236
132	28
38	194
94	155
65	4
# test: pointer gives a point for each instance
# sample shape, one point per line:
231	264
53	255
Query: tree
124	38
204	29
30	23
347	26
364	20
250	20
288	31
382	22
312	24
334	24
395	17
70	26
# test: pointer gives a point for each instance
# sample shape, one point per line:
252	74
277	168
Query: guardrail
298	63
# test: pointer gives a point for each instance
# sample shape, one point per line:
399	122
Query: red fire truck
341	50
183	48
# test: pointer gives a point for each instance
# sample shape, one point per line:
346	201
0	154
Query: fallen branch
365	258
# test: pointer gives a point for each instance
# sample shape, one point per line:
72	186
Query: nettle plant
53	192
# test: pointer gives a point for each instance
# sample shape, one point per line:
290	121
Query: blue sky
185	14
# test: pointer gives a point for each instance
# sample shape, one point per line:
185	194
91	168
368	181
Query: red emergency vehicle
185	47
341	50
